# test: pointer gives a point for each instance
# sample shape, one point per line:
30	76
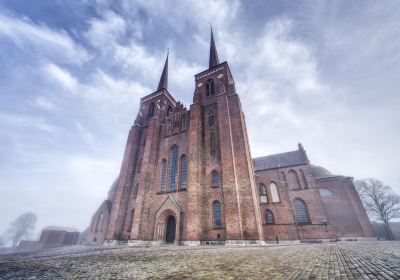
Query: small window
274	192
263	193
269	218
183	172
301	212
217	214
211	120
215	179
210	87
151	110
325	193
163	175
169	111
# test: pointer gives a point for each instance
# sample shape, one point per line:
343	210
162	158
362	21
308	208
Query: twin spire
213	61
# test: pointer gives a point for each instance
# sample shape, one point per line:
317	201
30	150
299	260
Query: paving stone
373	260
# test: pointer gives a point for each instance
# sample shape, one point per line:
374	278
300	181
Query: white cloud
60	75
56	45
44	103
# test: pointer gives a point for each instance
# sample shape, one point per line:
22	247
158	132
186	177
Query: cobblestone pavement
378	260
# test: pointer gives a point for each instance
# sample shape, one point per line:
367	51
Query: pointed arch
269	217
173	167
293	180
274	192
301	212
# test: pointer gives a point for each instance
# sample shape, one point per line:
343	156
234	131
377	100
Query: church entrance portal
171	228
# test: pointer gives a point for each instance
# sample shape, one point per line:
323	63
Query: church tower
222	169
187	175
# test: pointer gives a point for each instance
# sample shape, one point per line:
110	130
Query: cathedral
188	178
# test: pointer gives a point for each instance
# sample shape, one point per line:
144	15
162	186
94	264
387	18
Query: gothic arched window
217	213
169	111
293	180
210	119
183	182
151	110
210	87
215	179
301	212
269	217
173	167
99	221
263	193
274	192
163	175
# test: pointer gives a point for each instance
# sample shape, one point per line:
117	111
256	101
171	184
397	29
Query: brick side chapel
187	177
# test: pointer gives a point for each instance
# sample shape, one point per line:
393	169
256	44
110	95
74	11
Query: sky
323	73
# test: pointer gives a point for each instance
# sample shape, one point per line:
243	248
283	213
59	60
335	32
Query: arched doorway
171	229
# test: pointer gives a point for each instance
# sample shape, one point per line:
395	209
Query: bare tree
23	226
379	200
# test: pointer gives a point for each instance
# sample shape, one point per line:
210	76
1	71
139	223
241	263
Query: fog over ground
323	73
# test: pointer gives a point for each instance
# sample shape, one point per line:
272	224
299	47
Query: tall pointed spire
164	76
213	52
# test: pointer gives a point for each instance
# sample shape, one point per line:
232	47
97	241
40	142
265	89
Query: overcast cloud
323	73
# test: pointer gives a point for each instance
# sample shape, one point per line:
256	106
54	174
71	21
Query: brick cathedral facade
187	177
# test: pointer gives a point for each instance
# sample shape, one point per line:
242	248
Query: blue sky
323	73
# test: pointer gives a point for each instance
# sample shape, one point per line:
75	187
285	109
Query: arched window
135	191
163	175
274	192
263	193
183	182
173	167
131	221
269	218
215	179
301	212
151	110
169	111
325	192
210	87
293	180
211	119
139	166
217	214
212	143
303	176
